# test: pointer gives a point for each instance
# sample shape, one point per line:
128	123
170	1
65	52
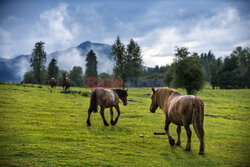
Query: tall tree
128	61
133	59
188	71
76	76
38	60
215	67
207	60
91	64
119	52
53	69
169	74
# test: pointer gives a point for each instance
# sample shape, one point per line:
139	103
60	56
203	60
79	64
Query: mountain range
12	70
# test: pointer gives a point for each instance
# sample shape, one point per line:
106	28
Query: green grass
43	128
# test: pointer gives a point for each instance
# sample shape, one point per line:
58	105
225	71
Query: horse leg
118	113
111	115
200	134
170	139
189	133
88	120
103	118
178	143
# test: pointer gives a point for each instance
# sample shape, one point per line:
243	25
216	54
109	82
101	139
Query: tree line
189	70
39	74
128	63
232	72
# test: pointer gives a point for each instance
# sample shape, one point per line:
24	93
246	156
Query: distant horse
65	83
182	111
229	87
106	99
52	82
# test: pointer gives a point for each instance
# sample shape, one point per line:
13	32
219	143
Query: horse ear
126	90
153	90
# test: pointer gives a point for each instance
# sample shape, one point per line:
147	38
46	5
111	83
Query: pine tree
91	65
38	60
133	59
53	69
215	67
128	61
118	50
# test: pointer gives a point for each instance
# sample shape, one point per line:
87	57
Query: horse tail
93	102
198	118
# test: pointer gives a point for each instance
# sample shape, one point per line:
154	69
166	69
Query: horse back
180	108
52	82
66	81
106	98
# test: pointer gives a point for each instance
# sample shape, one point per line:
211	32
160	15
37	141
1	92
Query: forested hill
12	70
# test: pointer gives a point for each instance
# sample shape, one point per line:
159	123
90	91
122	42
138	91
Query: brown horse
52	82
65	83
106	99
182	111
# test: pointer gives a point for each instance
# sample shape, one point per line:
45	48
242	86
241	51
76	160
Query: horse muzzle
152	110
125	104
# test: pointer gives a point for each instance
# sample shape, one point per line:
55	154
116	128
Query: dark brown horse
106	99
52	82
182	111
65	83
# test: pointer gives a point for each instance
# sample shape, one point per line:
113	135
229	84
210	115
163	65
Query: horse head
154	104
123	94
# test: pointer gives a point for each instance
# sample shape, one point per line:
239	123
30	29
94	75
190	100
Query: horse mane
121	93
164	93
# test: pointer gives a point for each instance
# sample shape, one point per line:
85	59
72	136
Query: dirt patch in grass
223	116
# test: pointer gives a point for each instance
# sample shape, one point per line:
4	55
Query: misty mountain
12	70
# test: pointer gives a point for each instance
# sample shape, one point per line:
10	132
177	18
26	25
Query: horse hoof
88	123
112	123
106	124
171	141
201	153
177	143
187	149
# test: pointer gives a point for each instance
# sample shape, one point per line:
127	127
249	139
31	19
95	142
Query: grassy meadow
39	127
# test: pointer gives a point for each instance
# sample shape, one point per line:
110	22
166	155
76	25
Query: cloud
56	28
67	59
157	27
9	19
5	43
221	33
104	64
23	66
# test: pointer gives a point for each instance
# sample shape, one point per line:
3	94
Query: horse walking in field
52	82
106	99
65	83
182	111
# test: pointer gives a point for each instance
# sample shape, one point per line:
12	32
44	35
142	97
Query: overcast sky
157	25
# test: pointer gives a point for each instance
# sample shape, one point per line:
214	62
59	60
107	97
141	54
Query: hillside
12	70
